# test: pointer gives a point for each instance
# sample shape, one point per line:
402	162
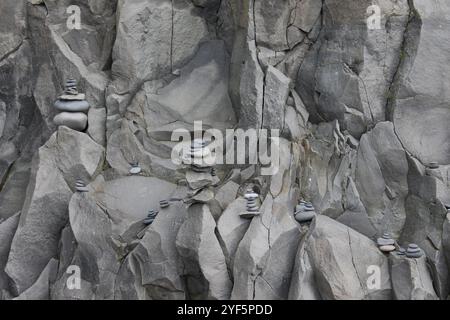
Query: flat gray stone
76	120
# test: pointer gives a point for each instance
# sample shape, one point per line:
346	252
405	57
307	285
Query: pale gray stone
40	290
93	230
424	227
199	93
232	228
303	284
251	89
381	178
271	237
368	116
204	264
155	263
154	38
198	180
275	95
271	21
226	194
350	68
7	229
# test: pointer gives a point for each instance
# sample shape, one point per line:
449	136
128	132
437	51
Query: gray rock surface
231	228
340	258
203	261
411	279
7	230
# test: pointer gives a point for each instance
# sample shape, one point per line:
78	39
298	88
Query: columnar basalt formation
304	212
251	208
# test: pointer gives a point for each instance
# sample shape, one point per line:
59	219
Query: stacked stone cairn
73	108
150	217
413	251
304	212
252	209
199	173
386	243
80	186
200	155
135	168
164	204
401	251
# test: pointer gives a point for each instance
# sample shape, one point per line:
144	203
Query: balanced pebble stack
150	217
386	243
199	174
73	107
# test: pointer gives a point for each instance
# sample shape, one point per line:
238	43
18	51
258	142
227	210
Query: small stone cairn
135	169
73	108
200	174
164	204
150	217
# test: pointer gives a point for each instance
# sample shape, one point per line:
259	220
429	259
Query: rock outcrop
351	98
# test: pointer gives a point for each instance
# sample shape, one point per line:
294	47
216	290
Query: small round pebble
387	248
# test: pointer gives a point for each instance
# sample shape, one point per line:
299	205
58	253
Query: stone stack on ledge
151	217
73	107
135	169
386	243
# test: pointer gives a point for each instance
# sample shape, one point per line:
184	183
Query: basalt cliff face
362	108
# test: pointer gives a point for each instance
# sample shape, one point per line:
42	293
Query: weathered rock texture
362	108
